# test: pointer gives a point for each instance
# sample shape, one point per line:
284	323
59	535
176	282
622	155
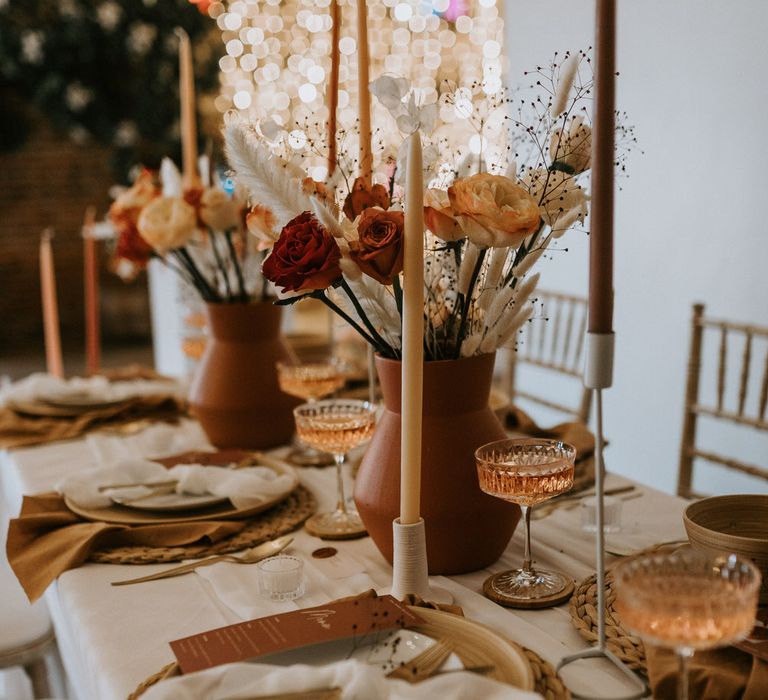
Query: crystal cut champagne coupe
336	426
310	381
526	472
686	601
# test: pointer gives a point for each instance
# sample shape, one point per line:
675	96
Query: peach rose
493	210
135	198
167	223
261	222
218	210
438	216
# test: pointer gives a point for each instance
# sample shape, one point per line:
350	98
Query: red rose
363	196
378	251
304	258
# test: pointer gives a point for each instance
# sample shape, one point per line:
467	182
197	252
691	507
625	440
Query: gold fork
425	664
250	556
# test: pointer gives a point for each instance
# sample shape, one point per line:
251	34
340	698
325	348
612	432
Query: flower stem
468	301
206	291
236	263
333	307
382	344
220	264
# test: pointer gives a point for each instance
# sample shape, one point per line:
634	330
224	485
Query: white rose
167	223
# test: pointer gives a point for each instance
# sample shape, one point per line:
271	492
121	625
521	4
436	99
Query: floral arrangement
199	232
485	229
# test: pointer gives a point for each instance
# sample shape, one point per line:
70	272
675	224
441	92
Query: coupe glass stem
527	522
341	506
682	685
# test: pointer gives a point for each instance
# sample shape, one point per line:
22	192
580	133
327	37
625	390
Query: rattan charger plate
282	518
542	677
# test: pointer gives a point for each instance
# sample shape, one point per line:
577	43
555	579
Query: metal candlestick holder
598	375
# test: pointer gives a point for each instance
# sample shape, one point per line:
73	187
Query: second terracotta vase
235	393
466	529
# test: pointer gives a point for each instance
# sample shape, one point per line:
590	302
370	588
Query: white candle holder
409	564
598	375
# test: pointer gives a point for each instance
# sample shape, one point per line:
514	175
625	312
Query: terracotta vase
235	394
466	529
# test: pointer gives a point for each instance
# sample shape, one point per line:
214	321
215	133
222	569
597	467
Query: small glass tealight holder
281	577
611	514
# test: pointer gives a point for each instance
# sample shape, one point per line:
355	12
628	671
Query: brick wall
49	182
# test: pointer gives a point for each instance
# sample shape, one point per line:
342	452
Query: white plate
386	650
167	502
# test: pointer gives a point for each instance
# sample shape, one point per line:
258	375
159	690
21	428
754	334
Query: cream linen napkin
245	488
358	681
100	388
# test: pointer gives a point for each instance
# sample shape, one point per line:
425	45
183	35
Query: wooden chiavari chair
736	415
554	343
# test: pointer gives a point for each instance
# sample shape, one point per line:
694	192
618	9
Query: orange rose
362	197
438	216
378	251
493	210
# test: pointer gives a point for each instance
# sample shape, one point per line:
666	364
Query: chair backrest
730	334
555	342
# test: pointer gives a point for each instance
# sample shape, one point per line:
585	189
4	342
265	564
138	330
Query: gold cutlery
425	664
627	552
249	556
146	484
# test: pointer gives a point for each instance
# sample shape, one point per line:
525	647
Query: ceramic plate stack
732	524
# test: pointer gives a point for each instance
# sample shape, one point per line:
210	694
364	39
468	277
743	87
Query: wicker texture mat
583	609
285	517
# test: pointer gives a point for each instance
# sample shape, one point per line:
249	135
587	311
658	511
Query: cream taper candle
413	337
366	155
53	358
190	177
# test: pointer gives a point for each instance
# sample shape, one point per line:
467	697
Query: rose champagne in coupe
686	601
336	426
526	472
310	381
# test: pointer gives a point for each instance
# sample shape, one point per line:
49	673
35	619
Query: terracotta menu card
298	628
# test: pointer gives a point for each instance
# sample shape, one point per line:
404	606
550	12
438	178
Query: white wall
690	222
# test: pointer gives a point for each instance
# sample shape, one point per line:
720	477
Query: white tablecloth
112	638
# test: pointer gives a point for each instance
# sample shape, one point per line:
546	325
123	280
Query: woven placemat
285	517
546	681
583	609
